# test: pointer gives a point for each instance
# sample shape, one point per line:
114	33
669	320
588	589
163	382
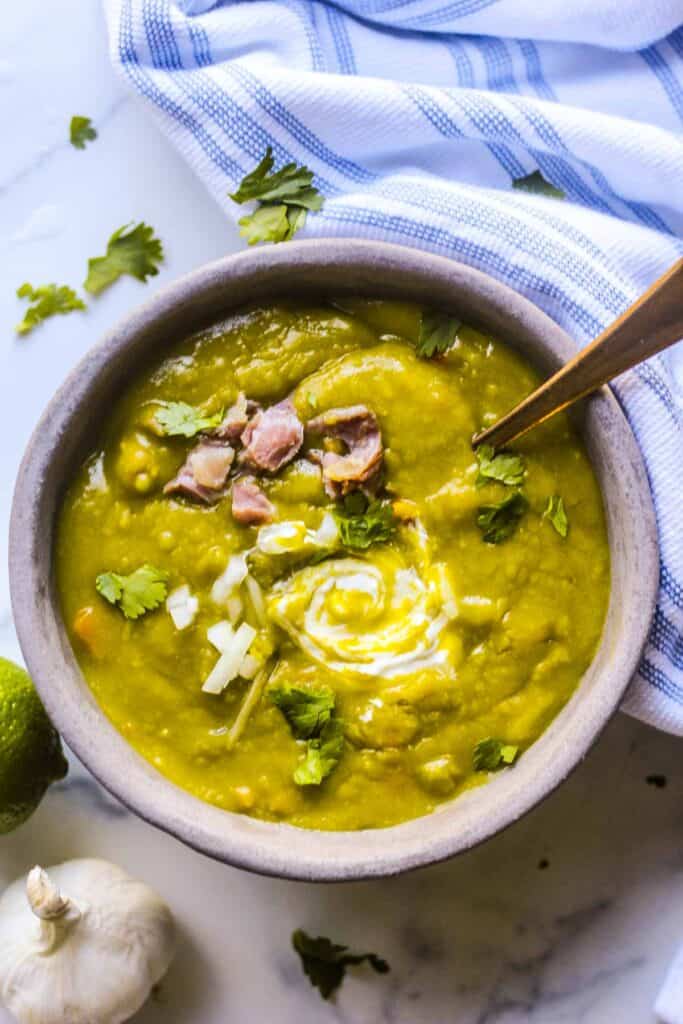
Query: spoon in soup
650	325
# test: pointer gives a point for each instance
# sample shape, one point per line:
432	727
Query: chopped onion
235	608
182	606
250	666
256	598
327	534
228	665
220	635
231	578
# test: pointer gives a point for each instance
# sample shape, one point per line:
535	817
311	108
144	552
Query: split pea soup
297	592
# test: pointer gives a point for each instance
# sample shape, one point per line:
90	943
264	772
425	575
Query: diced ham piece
249	504
204	473
272	438
361	465
236	419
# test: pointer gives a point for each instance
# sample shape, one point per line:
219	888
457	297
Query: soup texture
295	589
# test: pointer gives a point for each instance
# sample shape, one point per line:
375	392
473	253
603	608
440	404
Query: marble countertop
570	916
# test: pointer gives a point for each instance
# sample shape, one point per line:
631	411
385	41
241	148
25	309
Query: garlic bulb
83	944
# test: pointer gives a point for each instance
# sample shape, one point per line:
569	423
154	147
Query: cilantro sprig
499	521
325	962
556	513
536	184
81	131
362	523
130	250
284	199
140	591
438	333
46	300
310	714
490	755
503	467
307	711
179	419
322	755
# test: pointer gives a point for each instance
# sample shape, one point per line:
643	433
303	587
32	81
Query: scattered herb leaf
266	224
140	591
555	512
312	400
178	419
46	300
307	711
491	754
499	521
536	183
291	184
284	198
130	250
81	131
362	524
322	755
438	332
325	962
505	467
311	717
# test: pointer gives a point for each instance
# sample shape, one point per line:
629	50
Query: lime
31	754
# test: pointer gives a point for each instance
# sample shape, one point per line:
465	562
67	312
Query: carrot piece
91	628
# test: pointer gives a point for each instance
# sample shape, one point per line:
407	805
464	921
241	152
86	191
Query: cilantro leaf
322	755
140	591
130	250
438	332
46	300
491	754
536	183
266	224
498	522
81	131
325	962
362	524
556	513
284	197
311	717
505	467
306	711
178	419
291	184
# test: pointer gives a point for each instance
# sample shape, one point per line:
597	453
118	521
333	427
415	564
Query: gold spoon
651	324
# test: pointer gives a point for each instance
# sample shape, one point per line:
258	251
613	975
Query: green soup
379	653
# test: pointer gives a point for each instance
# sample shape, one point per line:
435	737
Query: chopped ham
203	475
249	504
236	419
272	438
361	465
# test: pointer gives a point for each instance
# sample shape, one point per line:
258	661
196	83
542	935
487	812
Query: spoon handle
651	324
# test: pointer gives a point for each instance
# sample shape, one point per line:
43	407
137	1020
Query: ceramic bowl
65	435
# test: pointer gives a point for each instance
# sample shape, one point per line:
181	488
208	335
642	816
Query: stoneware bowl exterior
68	429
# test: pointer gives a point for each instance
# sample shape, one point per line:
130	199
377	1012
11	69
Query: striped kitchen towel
417	116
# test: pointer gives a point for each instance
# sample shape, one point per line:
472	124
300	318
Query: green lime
31	756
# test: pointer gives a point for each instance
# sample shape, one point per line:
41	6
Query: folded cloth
416	132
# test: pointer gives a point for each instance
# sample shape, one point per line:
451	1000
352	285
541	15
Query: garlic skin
81	944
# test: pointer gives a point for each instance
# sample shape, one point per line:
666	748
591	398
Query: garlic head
82	943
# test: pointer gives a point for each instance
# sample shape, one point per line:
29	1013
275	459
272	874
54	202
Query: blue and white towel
416	116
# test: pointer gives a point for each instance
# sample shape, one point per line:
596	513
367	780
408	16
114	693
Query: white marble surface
490	938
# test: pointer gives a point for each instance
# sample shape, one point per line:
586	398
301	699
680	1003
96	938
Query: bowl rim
280	849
